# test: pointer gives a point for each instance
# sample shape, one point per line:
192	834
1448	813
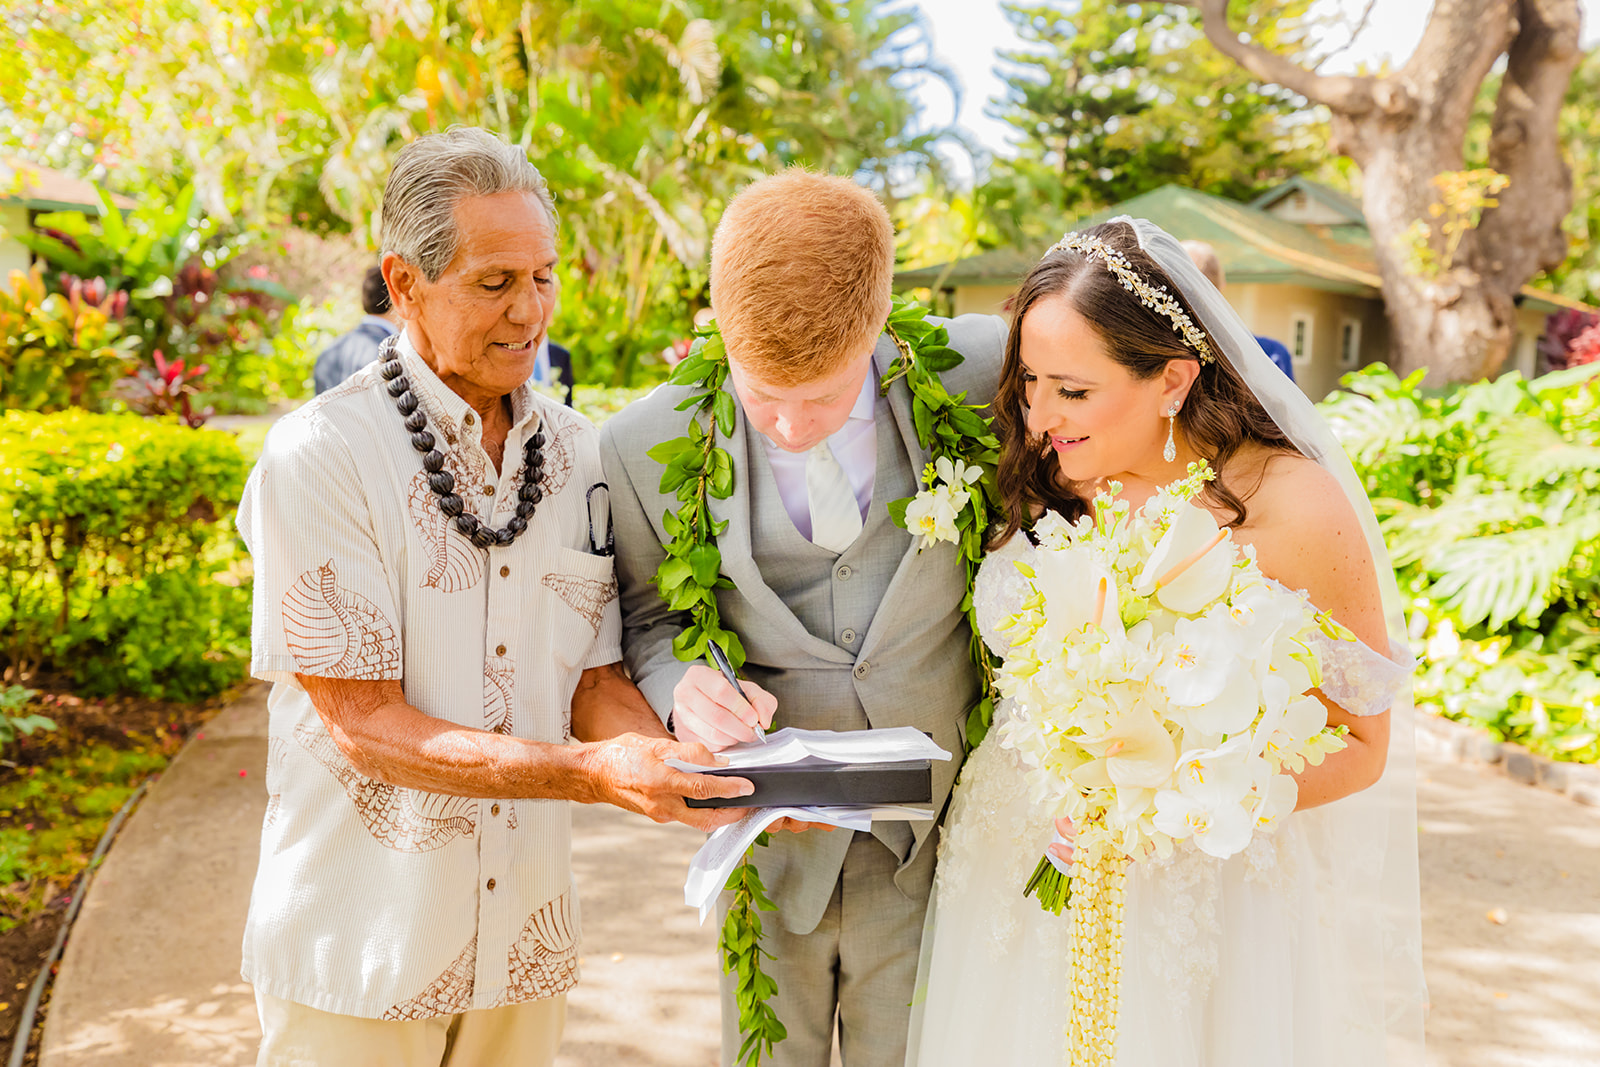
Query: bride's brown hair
1219	416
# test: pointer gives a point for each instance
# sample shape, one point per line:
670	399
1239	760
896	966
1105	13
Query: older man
435	604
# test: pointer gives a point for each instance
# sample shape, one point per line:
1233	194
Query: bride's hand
1060	850
708	710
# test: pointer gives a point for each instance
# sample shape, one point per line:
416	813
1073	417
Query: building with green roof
1299	268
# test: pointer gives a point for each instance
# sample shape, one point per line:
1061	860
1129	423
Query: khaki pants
520	1035
854	974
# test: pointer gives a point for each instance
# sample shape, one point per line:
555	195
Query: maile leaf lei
695	469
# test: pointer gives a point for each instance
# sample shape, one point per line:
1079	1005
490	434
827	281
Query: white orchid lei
1161	689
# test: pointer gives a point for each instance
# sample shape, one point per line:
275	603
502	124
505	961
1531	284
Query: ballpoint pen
727	672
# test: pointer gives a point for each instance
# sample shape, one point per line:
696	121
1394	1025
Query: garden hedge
119	567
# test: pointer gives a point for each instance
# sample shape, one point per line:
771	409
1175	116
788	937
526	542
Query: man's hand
630	772
708	711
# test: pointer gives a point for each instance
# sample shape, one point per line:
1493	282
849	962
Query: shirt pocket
581	587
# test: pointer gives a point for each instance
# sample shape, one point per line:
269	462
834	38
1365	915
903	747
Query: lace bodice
1358	678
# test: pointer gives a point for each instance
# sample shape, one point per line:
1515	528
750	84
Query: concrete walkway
1511	887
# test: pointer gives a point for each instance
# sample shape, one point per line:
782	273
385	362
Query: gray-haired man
439	627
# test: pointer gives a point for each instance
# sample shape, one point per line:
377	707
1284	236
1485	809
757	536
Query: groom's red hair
801	270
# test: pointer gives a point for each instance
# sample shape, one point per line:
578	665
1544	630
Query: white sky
967	34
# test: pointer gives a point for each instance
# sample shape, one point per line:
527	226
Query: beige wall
982	299
1524	355
1271	311
13	256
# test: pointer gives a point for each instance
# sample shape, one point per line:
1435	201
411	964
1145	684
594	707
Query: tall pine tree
1111	100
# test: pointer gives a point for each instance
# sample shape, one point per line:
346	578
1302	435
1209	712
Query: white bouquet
1160	687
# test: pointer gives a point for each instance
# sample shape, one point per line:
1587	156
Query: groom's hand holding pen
716	712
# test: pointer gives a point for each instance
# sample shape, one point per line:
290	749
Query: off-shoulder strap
1360	679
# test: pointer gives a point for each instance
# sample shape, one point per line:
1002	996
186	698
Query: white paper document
711	866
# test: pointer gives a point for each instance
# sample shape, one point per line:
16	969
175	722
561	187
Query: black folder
812	782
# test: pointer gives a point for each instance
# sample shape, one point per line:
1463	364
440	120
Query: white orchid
932	514
1196	660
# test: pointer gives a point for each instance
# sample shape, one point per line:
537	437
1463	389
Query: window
1349	343
1300	323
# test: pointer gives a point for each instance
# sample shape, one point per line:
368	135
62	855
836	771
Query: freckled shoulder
1308	536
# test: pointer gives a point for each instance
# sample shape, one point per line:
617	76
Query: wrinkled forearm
388	739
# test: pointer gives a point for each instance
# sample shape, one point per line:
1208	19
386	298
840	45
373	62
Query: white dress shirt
385	902
854	445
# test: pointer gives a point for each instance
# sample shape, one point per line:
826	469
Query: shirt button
494	809
848	637
505	572
490	885
843	573
468	419
862	669
488	490
499	650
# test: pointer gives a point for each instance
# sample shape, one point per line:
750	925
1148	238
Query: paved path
151	978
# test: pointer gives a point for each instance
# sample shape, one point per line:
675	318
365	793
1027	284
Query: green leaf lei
695	469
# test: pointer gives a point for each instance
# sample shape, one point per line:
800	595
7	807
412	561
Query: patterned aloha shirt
378	901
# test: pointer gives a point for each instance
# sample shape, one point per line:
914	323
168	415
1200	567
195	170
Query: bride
1124	363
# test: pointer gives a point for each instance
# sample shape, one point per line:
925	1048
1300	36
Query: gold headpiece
1155	297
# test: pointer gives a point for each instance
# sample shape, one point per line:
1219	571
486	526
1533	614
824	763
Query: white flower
1196	661
1275	798
1283	733
115	453
957	475
932	514
1078	591
1209	804
1192	563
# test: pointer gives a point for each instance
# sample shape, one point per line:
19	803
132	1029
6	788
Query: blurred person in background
1205	257
360	346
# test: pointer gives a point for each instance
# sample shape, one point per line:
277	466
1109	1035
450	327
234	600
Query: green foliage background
119	568
1489	497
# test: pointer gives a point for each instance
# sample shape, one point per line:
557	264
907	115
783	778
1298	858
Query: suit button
490	885
848	637
843	573
494	809
863	669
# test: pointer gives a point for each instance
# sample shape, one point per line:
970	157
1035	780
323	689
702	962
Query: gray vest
834	597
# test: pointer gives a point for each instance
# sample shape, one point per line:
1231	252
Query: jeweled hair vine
1156	297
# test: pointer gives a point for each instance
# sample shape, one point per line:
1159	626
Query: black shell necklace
443	483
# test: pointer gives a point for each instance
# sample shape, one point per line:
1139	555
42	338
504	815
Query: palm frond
1525	451
1503	576
1414	533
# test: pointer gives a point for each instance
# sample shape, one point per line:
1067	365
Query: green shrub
1489	497
121	570
56	350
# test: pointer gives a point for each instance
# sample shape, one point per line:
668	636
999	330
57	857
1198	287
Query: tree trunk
1404	128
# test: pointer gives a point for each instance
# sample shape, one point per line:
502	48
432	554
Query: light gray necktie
835	515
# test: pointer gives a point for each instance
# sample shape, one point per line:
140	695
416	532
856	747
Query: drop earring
1170	452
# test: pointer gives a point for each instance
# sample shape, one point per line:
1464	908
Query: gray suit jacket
912	668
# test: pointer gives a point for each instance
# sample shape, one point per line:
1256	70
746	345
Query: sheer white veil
1365	844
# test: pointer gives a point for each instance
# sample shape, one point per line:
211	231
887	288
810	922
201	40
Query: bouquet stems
1052	888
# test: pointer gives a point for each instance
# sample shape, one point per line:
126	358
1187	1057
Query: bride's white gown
1245	962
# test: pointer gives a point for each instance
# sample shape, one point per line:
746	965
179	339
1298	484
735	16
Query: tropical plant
60	350
1489	497
644	117
15	699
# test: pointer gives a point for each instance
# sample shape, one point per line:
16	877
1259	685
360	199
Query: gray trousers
856	970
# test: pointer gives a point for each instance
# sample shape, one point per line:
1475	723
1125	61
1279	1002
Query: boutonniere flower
934	513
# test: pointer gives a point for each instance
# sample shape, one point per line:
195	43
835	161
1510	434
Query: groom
844	623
